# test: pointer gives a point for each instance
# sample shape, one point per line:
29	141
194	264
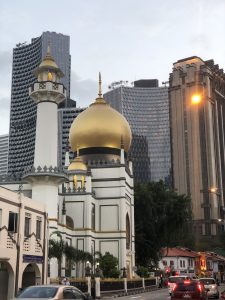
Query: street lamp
88	270
196	99
97	270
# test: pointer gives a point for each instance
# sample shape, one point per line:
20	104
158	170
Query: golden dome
77	164
100	126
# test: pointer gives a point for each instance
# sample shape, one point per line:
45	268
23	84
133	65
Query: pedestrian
65	281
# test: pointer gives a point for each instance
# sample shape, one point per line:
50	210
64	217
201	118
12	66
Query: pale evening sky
124	39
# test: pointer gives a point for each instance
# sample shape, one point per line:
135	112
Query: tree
56	249
109	265
161	219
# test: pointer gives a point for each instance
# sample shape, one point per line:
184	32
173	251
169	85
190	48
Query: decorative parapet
66	189
48	85
103	163
45	171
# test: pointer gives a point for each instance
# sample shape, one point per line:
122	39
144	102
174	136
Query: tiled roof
181	252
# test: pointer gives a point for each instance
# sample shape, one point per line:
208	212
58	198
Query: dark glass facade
66	117
26	57
4	147
147	111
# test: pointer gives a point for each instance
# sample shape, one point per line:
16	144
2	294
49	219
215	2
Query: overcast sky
124	39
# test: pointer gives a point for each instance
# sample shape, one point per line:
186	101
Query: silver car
54	292
212	287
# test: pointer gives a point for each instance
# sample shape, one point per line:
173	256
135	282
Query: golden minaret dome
77	164
100	126
49	64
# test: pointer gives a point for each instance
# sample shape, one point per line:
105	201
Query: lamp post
88	276
219	203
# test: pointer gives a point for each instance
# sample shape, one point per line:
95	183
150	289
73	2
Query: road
160	294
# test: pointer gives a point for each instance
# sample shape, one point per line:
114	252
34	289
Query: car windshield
176	279
207	280
38	292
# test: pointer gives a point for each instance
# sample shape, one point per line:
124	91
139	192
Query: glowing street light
213	190
196	99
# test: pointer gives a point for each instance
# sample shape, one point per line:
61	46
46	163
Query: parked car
58	292
189	289
172	280
211	285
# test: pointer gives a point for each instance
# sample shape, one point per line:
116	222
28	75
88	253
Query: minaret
45	176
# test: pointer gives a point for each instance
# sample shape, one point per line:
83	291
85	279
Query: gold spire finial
99	85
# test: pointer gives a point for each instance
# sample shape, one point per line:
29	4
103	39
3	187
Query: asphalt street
160	294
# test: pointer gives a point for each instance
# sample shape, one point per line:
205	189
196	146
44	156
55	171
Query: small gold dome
48	63
77	164
100	126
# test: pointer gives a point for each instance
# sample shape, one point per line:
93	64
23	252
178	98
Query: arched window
69	222
127	232
49	76
75	181
92	216
82	182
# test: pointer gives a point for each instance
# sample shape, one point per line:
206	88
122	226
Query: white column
89	284
97	288
46	143
125	285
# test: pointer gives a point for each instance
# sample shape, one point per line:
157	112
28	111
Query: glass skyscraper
26	57
4	146
146	107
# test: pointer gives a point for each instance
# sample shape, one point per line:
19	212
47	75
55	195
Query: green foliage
142	271
162	219
109	265
58	248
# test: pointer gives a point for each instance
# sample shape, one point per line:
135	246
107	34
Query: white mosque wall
109	246
46	192
109	219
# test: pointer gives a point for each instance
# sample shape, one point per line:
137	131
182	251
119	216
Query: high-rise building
66	117
146	107
197	109
4	147
26	57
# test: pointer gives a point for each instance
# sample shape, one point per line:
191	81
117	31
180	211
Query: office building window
12	224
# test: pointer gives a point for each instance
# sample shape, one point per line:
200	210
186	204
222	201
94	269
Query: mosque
91	201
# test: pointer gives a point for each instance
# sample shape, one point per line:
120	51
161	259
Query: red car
189	289
222	296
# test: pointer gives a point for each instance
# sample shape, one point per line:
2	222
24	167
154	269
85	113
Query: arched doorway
31	276
6	280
